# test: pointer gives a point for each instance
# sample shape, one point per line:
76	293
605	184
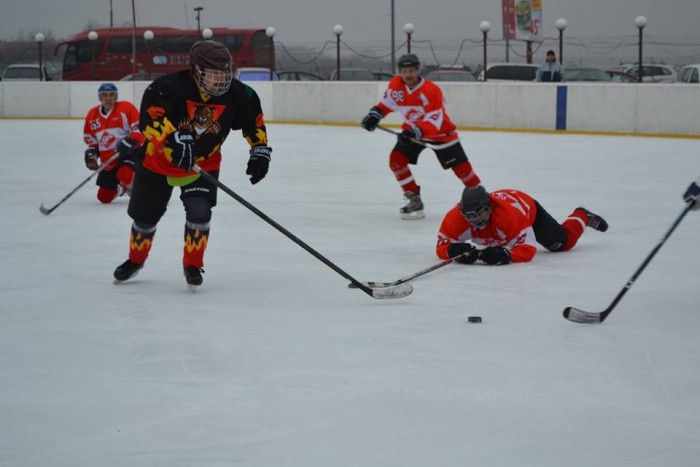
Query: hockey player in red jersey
186	117
421	105
505	226
112	126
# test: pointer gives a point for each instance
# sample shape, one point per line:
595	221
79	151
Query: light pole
485	27
393	38
92	36
408	29
641	22
148	37
39	38
270	32
561	24
198	10
111	15
338	30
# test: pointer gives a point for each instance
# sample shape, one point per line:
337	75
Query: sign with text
522	19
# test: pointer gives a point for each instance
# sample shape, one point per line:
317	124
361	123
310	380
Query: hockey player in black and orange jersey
112	126
421	105
505	226
185	117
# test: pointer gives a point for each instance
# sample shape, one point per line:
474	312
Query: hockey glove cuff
372	119
407	136
182	145
458	249
92	158
692	194
126	148
495	255
259	163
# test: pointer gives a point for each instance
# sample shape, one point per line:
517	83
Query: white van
24	72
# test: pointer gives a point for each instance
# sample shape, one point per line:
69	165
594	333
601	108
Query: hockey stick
422	142
46	211
579	316
398	291
417	274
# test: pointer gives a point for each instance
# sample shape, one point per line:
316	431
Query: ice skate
594	220
125	271
414	207
193	277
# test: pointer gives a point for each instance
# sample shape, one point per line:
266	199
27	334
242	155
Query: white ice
275	362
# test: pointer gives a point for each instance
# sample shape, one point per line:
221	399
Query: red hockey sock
125	174
574	226
465	172
106	196
140	243
196	239
398	163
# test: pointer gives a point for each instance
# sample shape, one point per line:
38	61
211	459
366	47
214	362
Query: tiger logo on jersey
202	118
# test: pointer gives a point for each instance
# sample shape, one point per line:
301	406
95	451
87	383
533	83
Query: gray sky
311	21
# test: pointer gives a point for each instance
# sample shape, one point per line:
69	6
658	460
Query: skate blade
117	281
192	288
412	216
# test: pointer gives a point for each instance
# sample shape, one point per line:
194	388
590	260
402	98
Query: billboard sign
522	19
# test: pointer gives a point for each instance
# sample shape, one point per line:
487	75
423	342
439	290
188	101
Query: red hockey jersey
104	131
512	216
423	106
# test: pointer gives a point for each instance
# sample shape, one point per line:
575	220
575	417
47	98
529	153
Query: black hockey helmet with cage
408	61
475	206
213	58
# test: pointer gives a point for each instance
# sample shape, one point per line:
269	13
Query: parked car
510	72
298	76
25	72
353	74
381	76
254	74
585	74
428	68
621	77
652	72
142	76
454	76
689	74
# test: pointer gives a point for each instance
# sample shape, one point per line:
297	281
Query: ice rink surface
275	362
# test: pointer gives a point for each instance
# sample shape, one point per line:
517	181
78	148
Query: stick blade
396	291
44	210
371	284
583	317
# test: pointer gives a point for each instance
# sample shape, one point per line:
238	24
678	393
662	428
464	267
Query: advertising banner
522	19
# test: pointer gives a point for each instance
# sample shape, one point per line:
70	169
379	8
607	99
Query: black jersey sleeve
250	120
158	107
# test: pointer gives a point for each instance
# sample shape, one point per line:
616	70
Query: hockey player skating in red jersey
112	126
421	105
505	226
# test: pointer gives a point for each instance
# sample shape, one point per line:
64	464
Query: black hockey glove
92	158
182	144
692	194
258	163
495	255
407	136
127	149
457	249
372	119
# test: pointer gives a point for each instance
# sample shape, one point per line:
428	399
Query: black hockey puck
474	319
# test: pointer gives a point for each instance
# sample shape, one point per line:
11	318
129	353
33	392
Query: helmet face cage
213	82
212	66
478	218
